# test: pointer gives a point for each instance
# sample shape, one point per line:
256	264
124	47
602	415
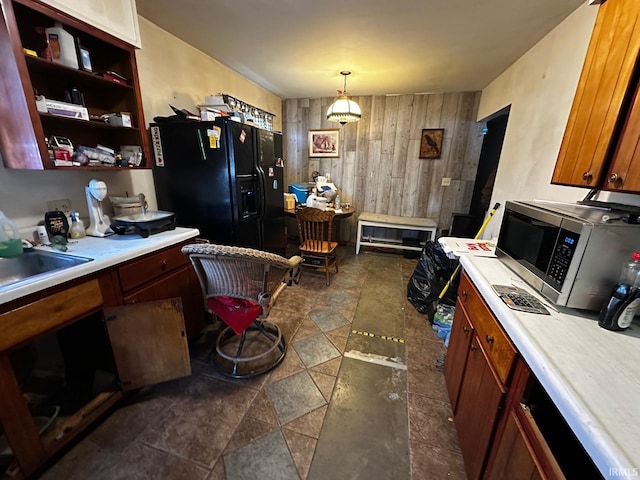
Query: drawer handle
489	339
473	347
464	294
163	264
587	177
466	330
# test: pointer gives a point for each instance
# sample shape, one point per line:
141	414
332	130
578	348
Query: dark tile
265	459
315	350
430	422
301	448
325	383
336	298
309	424
428	461
338	341
262	409
200	424
289	366
218	472
330	368
307	329
328	320
122	427
294	396
85	460
140	462
249	430
427	382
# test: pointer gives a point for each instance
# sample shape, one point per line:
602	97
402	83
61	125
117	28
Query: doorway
487	166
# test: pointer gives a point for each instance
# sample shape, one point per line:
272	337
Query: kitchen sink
31	264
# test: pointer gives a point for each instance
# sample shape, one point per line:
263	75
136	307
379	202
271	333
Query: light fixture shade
344	110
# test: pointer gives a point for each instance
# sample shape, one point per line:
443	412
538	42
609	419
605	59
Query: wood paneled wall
379	169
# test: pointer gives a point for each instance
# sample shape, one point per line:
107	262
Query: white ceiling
297	48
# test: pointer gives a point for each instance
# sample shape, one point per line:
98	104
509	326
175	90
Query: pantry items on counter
77	227
10	242
618	312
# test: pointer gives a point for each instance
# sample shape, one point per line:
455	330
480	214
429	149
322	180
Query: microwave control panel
561	259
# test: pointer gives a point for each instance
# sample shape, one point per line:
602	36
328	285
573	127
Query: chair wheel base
259	349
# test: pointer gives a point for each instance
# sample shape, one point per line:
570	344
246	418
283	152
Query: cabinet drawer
139	272
496	344
49	312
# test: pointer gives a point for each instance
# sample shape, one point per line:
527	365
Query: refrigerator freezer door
272	176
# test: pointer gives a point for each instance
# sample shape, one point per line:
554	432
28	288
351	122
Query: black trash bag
429	278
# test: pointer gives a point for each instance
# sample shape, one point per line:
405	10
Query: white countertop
104	252
591	374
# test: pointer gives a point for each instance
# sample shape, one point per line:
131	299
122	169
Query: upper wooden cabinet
598	147
117	17
24	129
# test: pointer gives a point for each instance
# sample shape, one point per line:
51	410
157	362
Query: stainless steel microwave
570	253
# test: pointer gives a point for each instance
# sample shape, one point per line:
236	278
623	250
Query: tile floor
341	405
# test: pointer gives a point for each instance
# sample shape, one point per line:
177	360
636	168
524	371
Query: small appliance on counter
567	252
144	224
99	222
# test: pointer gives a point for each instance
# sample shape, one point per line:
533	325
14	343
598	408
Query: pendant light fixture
344	110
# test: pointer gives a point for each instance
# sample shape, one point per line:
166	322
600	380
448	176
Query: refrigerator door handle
203	154
262	185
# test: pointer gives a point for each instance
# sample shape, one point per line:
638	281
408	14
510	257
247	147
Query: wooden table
344	213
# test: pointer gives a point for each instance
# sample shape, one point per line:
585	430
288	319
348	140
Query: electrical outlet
62	205
446	181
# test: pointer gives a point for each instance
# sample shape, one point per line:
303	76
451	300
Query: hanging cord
457	270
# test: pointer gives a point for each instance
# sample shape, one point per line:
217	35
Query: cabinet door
456	361
520	455
624	173
481	395
184	284
149	342
600	97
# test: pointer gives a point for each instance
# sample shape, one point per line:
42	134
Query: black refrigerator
223	177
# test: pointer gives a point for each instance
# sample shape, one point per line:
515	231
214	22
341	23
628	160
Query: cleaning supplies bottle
10	241
62	46
618	312
77	227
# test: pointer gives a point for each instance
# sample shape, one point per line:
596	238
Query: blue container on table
301	191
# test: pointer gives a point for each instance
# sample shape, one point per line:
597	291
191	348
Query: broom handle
478	235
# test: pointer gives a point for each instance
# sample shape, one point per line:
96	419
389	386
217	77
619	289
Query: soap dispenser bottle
77	227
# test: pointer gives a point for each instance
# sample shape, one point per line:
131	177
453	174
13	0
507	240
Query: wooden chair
240	285
314	230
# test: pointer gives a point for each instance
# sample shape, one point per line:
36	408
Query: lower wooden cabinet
461	335
71	351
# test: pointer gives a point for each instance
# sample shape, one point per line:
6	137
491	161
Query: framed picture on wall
324	143
431	142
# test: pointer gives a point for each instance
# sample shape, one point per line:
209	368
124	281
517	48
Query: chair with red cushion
240	285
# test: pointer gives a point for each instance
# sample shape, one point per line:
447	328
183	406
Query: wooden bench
392	221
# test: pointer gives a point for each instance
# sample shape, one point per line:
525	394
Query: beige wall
540	87
171	71
379	169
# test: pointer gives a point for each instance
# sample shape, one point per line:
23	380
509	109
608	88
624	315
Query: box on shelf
69	110
122	119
